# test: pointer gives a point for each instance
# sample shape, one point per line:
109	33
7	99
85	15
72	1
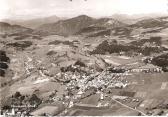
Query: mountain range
80	24
84	25
6	28
34	23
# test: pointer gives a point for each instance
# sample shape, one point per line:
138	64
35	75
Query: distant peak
4	24
83	16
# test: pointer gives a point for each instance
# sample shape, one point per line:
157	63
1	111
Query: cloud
67	8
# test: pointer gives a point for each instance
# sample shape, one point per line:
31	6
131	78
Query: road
129	107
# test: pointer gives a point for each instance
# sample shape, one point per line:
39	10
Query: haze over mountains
130	19
34	23
103	26
55	25
10	29
85	25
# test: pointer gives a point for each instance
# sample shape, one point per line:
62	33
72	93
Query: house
102	96
119	97
11	113
148	68
71	103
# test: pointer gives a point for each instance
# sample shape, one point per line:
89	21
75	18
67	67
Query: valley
85	66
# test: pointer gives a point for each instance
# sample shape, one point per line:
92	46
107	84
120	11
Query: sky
67	8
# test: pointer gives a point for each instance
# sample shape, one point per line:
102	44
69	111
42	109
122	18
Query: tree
34	100
17	94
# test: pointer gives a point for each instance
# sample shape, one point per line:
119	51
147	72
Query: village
90	89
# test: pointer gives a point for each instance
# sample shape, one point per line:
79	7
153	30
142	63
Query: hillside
101	25
151	23
67	27
35	22
9	29
140	29
79	25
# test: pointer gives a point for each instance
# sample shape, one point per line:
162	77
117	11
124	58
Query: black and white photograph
83	58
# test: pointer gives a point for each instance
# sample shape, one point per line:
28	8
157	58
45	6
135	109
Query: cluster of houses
81	85
148	68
